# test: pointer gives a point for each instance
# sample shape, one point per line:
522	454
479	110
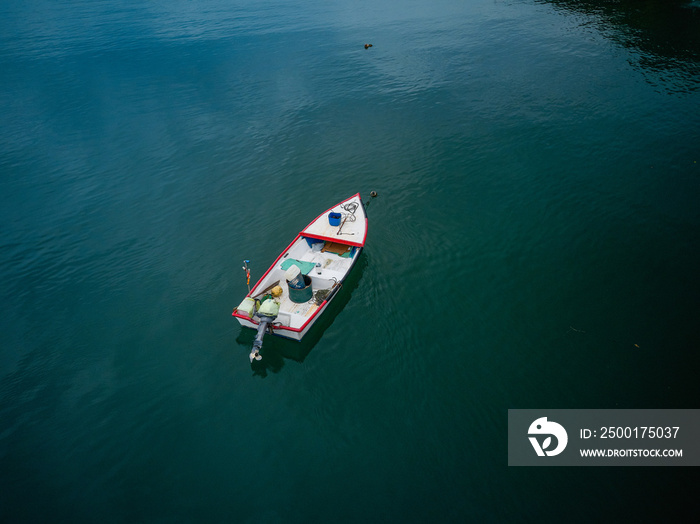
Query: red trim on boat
335	239
286	328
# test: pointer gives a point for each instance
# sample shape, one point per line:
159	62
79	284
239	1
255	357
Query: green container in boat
304	294
247	307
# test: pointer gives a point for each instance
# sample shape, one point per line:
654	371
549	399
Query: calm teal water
534	245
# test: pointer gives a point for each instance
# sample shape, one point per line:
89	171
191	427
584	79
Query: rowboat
297	288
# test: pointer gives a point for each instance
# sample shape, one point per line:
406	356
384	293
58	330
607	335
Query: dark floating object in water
367	46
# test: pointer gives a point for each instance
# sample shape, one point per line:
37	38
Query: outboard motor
267	313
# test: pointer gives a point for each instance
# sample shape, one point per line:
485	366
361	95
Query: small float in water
307	275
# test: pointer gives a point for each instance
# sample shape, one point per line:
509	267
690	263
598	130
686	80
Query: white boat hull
325	253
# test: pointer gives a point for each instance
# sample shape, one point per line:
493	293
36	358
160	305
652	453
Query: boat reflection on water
278	349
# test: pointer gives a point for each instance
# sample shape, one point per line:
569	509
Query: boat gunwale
323	305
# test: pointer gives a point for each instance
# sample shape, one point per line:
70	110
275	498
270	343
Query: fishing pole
247	273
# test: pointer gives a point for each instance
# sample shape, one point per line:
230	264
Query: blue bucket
334	218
